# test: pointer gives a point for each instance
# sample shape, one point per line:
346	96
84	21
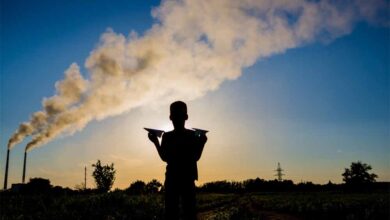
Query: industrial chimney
24	166
6	170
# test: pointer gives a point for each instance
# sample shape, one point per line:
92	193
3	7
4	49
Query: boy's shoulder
190	132
167	134
173	133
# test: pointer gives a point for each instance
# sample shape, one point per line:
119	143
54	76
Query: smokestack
6	171
24	166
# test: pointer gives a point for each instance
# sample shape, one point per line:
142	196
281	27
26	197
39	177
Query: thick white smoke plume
193	47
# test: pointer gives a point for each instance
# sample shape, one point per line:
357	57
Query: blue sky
314	108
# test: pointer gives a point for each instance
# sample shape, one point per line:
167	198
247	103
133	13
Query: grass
119	205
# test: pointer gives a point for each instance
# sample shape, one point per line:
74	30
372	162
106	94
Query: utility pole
279	173
85	177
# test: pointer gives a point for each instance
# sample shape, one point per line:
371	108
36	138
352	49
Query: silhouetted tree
153	186
104	176
308	186
358	174
252	185
79	187
137	187
222	187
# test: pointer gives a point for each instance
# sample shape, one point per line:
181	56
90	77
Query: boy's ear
170	117
186	117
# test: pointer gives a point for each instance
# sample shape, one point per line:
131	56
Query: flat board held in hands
156	132
199	132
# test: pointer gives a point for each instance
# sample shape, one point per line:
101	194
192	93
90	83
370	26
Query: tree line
356	178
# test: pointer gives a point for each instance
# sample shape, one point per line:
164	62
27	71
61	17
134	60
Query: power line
279	173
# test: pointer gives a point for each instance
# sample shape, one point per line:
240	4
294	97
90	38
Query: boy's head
178	113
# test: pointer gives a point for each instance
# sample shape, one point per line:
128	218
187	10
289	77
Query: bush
104	176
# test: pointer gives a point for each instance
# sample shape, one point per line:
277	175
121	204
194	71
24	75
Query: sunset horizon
304	84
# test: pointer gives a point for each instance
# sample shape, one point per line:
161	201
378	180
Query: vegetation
250	199
120	205
136	188
358	174
104	176
316	205
139	187
153	186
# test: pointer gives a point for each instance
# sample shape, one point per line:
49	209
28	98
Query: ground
211	206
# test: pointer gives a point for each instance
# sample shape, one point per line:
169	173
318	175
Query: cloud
193	47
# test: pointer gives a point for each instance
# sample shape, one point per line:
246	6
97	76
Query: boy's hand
203	138
153	138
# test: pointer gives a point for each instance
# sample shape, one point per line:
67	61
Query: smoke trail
193	47
69	91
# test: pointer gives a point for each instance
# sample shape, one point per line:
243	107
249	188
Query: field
304	206
119	205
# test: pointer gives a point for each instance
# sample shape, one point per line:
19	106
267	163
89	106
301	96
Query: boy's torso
180	148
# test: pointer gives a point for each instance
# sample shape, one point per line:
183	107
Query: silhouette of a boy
180	149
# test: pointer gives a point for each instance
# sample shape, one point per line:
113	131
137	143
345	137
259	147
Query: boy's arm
160	148
200	142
